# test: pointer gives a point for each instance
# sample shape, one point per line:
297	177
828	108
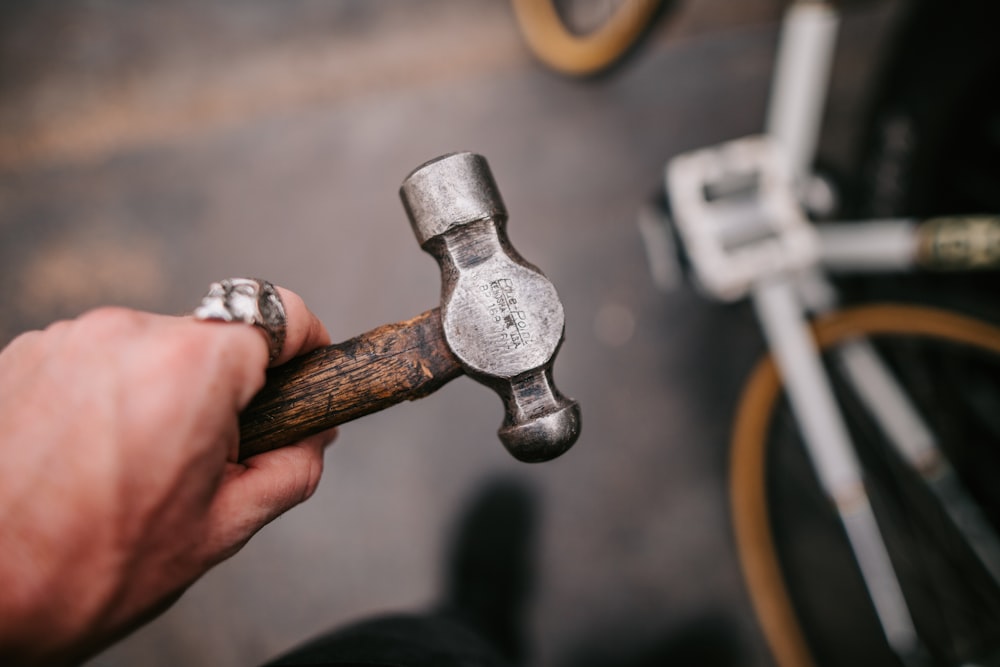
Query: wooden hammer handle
335	384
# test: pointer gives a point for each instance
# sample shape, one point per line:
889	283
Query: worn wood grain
335	384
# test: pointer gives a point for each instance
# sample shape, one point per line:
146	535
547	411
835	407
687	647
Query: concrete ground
147	149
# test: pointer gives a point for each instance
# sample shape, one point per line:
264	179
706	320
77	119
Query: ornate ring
255	302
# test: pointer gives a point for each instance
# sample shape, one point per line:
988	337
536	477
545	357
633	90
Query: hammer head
501	316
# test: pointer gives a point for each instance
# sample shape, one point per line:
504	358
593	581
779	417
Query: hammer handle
335	384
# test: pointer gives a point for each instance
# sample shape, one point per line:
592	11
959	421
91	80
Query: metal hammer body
500	322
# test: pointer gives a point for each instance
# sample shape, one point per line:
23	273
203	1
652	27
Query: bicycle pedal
738	217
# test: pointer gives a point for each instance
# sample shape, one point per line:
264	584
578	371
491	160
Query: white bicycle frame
738	212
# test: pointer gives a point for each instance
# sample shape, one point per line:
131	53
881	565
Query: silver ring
254	302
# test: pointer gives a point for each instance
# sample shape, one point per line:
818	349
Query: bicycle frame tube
802	73
825	435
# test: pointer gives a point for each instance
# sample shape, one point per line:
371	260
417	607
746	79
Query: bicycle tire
766	583
549	39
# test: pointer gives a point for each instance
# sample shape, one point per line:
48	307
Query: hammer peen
500	322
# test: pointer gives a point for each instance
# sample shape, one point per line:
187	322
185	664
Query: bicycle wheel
562	49
800	572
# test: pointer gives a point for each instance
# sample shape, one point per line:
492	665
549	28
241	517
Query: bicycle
739	216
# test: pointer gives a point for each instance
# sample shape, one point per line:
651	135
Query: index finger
304	332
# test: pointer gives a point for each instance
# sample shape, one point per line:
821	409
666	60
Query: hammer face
450	191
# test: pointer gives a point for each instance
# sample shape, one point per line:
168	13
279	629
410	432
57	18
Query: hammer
500	322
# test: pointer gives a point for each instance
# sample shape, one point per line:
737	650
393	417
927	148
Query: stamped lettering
513	331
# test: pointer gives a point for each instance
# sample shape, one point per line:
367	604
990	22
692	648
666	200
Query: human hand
119	480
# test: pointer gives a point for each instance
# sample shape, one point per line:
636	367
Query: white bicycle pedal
737	215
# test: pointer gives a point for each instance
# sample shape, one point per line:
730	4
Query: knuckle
111	320
185	353
219	339
223	351
25	348
57	329
25	340
313	474
309	488
57	326
299	481
239	345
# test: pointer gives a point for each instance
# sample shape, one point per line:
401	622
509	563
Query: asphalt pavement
147	149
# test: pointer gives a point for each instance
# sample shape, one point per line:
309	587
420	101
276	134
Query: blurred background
149	148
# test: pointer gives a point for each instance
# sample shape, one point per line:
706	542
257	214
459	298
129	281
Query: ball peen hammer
500	322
